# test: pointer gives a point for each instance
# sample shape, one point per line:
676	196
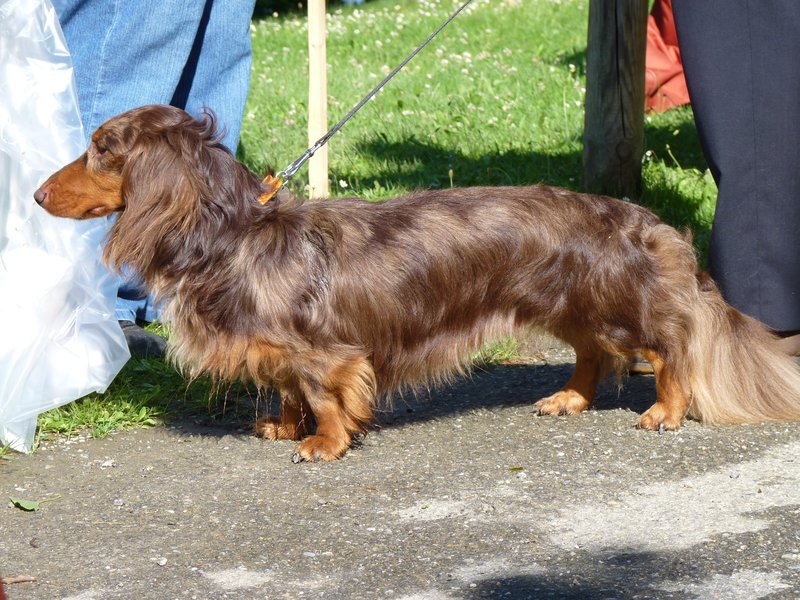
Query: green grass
501	351
138	397
497	98
147	392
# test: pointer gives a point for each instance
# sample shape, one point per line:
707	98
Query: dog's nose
39	195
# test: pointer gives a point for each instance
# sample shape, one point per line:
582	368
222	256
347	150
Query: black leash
274	183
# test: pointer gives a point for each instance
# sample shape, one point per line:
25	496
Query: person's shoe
639	366
142	343
790	343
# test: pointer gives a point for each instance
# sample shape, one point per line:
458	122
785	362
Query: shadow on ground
507	385
618	575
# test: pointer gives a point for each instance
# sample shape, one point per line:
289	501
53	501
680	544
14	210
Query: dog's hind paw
564	402
656	418
316	448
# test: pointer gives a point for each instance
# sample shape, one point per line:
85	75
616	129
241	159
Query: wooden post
317	98
613	140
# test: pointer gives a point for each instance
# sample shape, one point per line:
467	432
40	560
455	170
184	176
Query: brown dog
335	303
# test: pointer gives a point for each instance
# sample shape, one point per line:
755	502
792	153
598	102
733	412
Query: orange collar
271	185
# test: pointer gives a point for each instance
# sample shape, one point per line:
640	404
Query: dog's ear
181	188
163	185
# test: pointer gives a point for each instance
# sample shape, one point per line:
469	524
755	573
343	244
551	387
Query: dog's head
161	169
150	146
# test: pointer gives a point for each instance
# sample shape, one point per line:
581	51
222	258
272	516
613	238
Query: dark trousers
742	64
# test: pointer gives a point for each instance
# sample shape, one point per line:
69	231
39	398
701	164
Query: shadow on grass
415	163
677	131
677	186
265	8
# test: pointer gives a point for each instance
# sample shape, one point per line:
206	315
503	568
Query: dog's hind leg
672	400
341	402
578	393
294	420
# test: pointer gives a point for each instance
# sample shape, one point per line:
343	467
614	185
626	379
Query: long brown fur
338	303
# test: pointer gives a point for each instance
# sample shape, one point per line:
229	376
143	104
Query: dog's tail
737	372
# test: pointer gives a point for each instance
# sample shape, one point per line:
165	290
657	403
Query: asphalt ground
462	492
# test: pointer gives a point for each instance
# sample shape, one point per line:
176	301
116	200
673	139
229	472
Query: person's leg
127	53
217	74
740	59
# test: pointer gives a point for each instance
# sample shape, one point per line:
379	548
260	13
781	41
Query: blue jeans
189	53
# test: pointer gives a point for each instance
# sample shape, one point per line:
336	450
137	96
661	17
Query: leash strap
274	183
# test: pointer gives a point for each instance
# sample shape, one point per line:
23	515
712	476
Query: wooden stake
317	98
613	138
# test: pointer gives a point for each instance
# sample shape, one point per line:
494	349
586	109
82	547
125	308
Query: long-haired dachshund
337	303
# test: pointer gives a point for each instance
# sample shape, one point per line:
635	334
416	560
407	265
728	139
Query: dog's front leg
578	393
341	400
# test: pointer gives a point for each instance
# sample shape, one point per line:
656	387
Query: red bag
665	85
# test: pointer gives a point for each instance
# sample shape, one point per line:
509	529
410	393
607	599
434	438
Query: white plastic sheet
58	337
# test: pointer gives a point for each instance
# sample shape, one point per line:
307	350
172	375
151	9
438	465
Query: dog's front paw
564	402
272	428
320	448
657	418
